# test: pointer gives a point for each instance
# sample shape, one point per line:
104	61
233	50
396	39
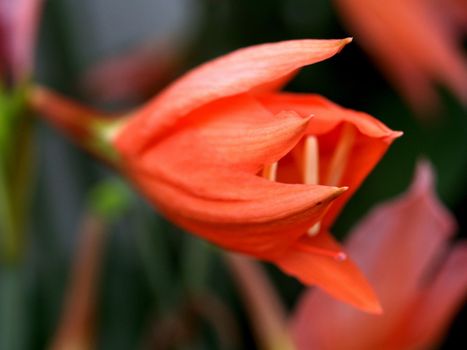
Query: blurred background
156	282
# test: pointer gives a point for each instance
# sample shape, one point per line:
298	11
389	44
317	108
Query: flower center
310	175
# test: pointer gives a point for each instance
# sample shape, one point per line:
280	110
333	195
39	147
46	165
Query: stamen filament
340	157
270	171
314	230
311	161
311	170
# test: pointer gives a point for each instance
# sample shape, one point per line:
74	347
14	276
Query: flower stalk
266	312
90	129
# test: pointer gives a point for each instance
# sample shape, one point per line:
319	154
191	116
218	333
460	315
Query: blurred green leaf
109	199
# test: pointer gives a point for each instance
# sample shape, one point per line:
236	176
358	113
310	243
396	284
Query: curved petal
372	138
329	115
341	279
261	219
236	132
258	67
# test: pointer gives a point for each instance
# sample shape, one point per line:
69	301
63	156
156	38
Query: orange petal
240	211
371	141
261	66
328	114
341	279
236	133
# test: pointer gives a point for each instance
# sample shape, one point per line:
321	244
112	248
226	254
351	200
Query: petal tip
375	309
337	191
342	189
424	176
393	135
343	42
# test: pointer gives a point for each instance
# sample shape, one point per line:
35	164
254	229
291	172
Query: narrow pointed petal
395	246
256	67
371	141
340	277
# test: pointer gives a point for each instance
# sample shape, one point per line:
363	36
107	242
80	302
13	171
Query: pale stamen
310	169
314	230
311	161
338	164
340	157
337	255
270	171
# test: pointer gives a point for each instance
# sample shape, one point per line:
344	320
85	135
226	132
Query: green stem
15	160
7	223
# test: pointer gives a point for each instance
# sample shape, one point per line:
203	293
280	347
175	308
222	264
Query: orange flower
398	246
413	41
198	150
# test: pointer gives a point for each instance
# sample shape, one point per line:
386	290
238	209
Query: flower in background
224	155
145	69
18	30
414	42
403	247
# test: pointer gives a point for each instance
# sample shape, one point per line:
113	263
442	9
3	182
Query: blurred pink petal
18	30
132	75
425	323
414	42
396	246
